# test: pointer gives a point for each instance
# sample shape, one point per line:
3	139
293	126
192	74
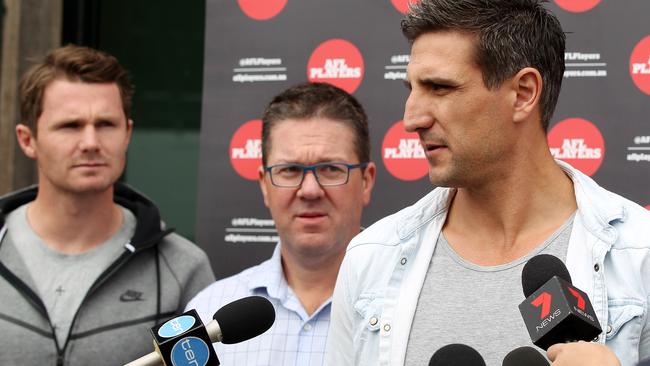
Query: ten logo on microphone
190	351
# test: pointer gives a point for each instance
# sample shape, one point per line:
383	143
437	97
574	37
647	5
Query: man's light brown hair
73	63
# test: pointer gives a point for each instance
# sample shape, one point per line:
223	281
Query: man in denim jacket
484	79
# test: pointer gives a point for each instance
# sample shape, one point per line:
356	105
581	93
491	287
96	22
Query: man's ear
369	175
527	84
262	182
26	140
129	131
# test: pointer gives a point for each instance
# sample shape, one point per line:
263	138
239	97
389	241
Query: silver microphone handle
152	359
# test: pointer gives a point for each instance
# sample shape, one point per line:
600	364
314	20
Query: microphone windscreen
244	319
541	268
456	354
524	356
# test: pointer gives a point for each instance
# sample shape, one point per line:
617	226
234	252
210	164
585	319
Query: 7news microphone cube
558	312
184	341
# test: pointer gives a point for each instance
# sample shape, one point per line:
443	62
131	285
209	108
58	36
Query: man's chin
439	180
313	243
90	187
445	177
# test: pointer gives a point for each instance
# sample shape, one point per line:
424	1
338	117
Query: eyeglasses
327	174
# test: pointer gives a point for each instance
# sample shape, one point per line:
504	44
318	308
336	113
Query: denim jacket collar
597	218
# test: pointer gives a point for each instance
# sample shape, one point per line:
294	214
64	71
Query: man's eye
69	125
105	123
437	87
290	169
332	168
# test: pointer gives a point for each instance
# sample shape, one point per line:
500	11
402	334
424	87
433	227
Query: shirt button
307	327
609	328
596	267
403	261
374	321
387	327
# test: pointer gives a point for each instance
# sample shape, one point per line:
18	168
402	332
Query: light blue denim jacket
385	266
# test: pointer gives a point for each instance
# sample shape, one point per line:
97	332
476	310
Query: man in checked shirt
316	178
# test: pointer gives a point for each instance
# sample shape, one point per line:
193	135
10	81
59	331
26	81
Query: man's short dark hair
73	63
309	100
511	35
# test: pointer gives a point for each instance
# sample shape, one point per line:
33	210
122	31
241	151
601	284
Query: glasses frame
312	168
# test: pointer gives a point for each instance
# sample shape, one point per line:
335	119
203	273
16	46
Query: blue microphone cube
184	341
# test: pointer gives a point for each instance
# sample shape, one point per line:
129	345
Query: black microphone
184	339
645	362
242	319
525	355
554	311
456	354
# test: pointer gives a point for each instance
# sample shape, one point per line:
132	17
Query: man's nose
89	139
416	114
310	188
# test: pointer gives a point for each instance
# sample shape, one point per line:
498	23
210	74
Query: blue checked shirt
295	339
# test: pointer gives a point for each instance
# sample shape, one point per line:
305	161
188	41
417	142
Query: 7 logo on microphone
183	341
555	308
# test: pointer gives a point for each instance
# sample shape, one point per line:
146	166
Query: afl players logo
337	62
261	9
579	143
403	155
246	149
577	6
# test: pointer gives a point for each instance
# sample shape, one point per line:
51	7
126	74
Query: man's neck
311	279
507	218
73	223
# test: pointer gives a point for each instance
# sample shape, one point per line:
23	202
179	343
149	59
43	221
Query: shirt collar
269	276
268	279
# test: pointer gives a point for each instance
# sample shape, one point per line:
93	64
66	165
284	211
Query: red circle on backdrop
337	62
261	9
647	207
579	143
403	155
402	5
640	65
577	6
246	149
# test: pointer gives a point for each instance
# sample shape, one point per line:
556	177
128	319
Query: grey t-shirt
462	302
62	280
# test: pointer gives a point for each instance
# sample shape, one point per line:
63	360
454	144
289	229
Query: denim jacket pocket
369	306
625	318
623	332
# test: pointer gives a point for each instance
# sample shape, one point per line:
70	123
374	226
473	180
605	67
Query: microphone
456	354
645	362
554	311
524	356
184	337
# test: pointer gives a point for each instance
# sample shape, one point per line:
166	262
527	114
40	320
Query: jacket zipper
100	280
32	297
40	306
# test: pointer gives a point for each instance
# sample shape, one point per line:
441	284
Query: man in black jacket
86	267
